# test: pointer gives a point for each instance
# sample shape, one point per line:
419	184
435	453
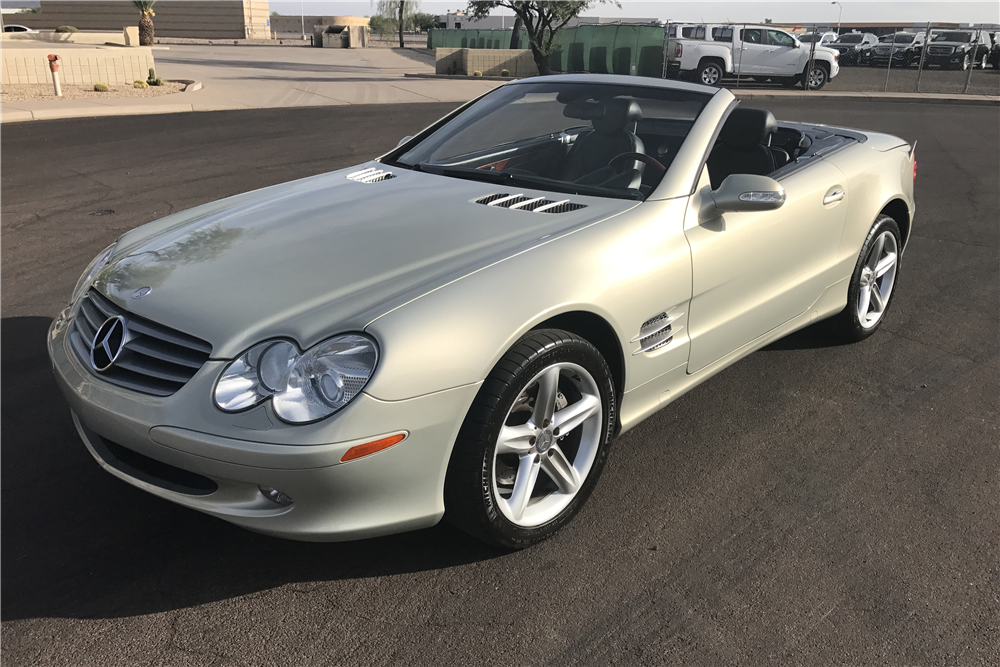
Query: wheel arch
900	212
599	333
719	60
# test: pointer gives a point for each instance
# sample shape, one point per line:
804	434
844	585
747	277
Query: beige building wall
490	62
209	19
79	65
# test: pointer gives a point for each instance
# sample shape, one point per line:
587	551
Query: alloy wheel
877	280
547	445
711	75
817	77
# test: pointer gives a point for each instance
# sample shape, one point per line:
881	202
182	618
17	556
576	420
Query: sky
738	11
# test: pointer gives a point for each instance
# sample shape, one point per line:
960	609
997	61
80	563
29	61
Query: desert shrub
505	72
101	87
140	84
477	73
66	28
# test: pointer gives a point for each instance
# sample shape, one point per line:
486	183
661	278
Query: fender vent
656	332
371	175
519	202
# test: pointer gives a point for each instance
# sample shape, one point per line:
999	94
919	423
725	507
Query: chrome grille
371	175
941	50
656	332
520	202
156	359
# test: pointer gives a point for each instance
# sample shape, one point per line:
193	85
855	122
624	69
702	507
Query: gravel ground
23	92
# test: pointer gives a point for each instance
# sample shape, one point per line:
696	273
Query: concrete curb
850	96
462	77
191	86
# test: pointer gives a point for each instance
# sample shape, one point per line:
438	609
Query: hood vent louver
371	175
519	202
656	332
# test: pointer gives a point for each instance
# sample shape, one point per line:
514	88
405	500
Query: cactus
101	87
140	84
477	73
155	82
504	72
152	73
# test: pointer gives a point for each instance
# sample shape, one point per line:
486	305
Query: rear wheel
534	442
709	73
872	283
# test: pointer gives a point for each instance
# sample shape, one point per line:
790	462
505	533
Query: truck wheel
709	73
817	76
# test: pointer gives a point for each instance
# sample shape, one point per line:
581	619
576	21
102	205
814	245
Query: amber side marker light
358	451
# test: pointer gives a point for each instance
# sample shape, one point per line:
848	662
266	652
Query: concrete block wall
78	66
491	62
208	19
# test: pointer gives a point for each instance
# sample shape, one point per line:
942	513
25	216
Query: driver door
783	54
752	272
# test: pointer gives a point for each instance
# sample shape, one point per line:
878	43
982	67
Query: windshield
849	39
582	138
952	37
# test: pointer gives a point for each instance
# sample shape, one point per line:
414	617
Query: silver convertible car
460	328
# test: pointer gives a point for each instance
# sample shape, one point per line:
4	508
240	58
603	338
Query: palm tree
146	22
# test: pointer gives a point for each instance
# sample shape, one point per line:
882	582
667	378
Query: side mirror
403	141
742	193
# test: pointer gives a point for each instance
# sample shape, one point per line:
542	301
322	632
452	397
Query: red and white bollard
54	67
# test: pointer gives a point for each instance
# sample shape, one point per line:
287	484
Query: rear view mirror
743	193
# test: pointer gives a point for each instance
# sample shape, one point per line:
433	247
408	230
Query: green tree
146	22
424	21
400	11
540	19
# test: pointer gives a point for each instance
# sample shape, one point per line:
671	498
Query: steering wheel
641	157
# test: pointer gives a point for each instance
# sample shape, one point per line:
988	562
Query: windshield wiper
498	177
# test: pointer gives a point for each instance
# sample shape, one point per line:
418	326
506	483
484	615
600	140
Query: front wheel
966	62
872	283
534	442
817	77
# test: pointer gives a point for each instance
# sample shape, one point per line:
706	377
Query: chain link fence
926	59
905	59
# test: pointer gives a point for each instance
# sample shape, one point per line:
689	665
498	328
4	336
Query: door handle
834	196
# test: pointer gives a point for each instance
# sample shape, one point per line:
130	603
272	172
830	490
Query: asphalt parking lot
812	505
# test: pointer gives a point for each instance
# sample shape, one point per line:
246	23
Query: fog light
275	496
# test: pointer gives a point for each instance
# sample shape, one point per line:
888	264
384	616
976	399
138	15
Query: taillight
678	50
914	169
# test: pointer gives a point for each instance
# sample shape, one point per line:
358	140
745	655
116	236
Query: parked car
13	27
903	47
459	328
854	47
958	49
757	51
824	38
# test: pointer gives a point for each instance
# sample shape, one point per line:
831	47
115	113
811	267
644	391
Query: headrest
607	116
746	128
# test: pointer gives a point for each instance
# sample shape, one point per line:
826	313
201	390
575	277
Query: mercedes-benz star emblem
141	292
108	343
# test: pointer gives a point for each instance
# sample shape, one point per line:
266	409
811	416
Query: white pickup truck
758	51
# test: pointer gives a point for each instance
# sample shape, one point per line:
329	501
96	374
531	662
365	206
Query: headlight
92	270
304	387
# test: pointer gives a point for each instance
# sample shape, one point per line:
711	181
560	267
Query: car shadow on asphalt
80	543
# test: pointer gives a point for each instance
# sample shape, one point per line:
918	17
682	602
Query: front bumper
181	448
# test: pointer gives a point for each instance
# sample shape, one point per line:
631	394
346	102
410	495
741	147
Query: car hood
322	255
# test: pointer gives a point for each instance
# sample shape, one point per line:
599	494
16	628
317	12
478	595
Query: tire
483	492
882	241
966	62
817	77
982	63
709	73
